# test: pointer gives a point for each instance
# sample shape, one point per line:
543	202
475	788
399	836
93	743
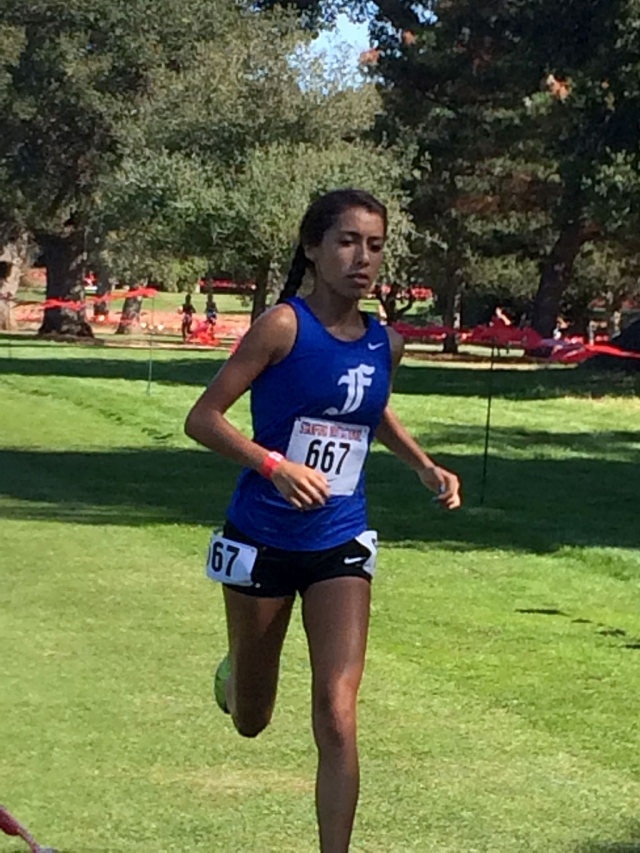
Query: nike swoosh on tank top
321	406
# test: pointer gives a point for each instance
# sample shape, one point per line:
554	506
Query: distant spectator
501	317
561	327
187	317
211	311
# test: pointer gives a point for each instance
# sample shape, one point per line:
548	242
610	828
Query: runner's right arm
267	342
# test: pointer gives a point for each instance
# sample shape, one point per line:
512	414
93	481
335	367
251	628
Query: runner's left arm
395	436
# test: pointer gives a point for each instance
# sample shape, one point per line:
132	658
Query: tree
15	243
85	83
525	123
55	137
591	123
152	217
391	296
186	200
265	207
606	275
476	173
155	147
130	316
15	254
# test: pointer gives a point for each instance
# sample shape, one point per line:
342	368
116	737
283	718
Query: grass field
499	711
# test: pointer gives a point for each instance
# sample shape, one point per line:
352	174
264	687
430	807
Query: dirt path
29	318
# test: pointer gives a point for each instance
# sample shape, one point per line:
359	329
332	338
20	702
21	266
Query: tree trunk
400	312
579	324
261	292
452	313
101	306
64	260
14	257
390	301
555	277
130	316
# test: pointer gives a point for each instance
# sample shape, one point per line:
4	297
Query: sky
346	35
346	31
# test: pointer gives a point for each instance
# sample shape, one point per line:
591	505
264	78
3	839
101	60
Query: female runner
320	375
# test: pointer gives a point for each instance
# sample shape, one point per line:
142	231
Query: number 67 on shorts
229	561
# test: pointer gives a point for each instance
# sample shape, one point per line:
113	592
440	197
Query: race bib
229	561
337	450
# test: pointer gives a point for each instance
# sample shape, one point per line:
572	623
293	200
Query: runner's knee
251	714
251	724
334	715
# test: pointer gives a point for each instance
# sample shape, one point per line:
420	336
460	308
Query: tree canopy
159	141
525	122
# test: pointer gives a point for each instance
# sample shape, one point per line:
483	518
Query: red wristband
270	463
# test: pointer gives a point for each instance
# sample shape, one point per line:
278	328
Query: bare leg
336	619
257	628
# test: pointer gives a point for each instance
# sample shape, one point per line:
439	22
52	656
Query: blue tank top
321	405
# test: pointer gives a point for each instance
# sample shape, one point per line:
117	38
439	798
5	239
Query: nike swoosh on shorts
375	346
349	560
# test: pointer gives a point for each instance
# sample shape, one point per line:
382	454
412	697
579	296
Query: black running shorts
278	573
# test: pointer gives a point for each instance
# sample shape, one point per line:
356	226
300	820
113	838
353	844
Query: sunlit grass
498	711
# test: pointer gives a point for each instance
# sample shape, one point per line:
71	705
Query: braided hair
322	215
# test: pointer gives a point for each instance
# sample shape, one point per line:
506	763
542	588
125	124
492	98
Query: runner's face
349	257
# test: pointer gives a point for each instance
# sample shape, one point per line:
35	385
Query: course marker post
487	430
151	328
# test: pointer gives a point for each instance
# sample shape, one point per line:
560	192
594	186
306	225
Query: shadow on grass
456	381
604	443
512	383
180	371
632	845
532	505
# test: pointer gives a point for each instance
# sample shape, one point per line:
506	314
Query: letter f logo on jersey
356	379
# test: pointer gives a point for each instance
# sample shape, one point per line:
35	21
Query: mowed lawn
500	706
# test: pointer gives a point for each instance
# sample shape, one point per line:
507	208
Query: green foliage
278	183
76	85
194	134
150	216
607	273
524	121
161	136
235	194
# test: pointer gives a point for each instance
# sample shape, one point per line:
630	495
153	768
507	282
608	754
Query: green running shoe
223	672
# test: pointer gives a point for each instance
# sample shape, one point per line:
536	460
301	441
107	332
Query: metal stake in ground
487	431
151	327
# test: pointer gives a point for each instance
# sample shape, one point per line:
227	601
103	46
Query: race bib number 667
337	450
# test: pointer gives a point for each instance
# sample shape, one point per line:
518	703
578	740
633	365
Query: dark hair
322	215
